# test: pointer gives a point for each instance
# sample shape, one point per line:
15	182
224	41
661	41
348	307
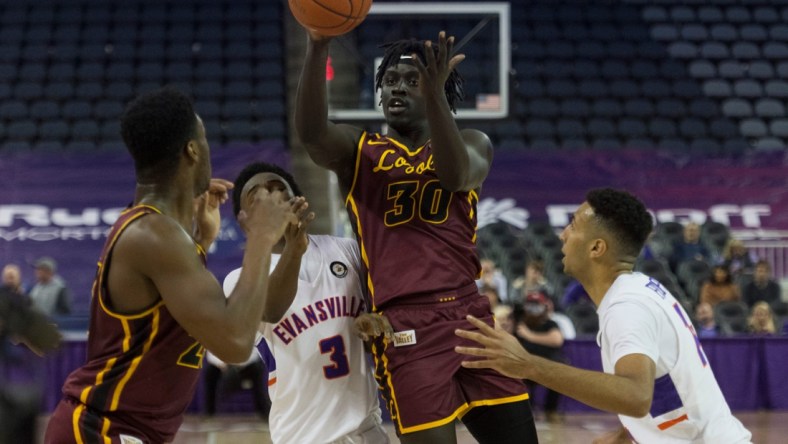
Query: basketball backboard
481	30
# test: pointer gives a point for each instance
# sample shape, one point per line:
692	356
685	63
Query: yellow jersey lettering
386	164
381	162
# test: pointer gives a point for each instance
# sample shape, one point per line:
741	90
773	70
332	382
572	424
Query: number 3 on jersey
335	345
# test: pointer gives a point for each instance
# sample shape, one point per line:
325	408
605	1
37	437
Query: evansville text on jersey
329	308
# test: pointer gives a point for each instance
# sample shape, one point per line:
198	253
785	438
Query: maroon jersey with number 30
415	236
141	368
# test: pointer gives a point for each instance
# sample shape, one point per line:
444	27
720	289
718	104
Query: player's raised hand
500	351
316	36
267	214
207	217
296	240
371	325
438	66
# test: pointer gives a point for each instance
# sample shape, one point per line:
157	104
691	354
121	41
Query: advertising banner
61	204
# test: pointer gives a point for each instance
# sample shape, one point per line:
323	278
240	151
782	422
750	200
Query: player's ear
598	248
191	151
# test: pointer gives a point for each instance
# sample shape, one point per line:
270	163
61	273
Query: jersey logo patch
403	338
338	269
126	439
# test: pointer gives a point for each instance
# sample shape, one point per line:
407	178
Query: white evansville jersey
320	383
637	315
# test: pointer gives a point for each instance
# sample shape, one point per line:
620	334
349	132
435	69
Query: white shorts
370	431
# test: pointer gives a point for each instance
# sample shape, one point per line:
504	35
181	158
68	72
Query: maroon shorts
73	423
421	377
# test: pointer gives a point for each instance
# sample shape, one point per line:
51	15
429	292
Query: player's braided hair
393	51
624	216
254	169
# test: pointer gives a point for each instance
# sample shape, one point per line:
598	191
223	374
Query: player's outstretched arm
628	392
163	254
283	283
462	158
330	146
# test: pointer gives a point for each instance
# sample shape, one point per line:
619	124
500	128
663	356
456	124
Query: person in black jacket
541	336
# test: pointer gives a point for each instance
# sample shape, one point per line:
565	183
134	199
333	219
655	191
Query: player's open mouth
396	106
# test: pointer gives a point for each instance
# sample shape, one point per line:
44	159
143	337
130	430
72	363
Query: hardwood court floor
768	427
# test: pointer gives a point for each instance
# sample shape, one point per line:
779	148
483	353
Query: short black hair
392	52
624	216
254	169
155	127
728	274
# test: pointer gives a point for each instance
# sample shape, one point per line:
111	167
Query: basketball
330	17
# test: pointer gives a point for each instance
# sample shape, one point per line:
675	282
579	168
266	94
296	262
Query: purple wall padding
750	371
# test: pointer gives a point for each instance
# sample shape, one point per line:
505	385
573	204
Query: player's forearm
246	303
603	391
282	287
205	237
311	113
203	242
450	154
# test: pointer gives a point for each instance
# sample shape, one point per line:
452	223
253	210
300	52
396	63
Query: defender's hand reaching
502	351
372	325
207	217
296	240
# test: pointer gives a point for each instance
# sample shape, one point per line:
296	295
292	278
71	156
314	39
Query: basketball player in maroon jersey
154	304
411	195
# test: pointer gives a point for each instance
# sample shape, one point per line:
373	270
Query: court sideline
768	427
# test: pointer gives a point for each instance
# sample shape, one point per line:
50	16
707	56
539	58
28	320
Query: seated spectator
720	287
12	279
738	259
491	276
762	287
541	336
222	379
761	321
705	325
690	248
50	293
533	280
564	322
492	295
